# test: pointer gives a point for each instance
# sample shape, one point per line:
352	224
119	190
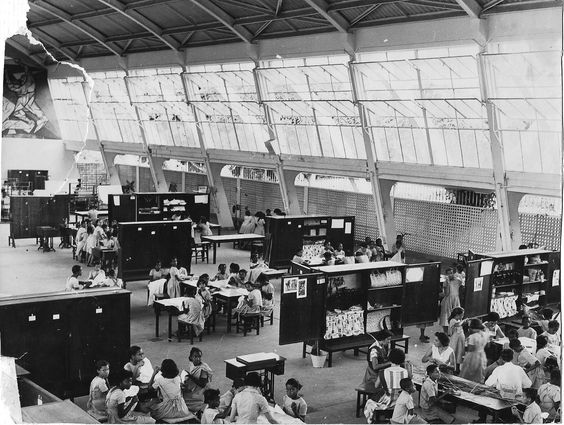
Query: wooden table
227	297
271	363
243	237
65	412
45	234
173	306
494	406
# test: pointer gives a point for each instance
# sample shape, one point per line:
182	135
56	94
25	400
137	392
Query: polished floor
329	392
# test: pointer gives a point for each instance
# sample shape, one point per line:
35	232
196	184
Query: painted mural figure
24	114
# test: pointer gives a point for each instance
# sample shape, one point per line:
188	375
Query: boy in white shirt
532	414
403	410
508	378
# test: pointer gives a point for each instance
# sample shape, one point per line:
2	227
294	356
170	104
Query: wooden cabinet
285	236
158	206
344	303
503	281
144	242
29	212
59	336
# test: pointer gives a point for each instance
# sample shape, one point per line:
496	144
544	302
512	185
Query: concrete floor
329	392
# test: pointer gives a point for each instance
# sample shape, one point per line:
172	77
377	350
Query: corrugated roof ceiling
77	29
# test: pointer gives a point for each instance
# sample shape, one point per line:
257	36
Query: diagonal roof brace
226	19
333	17
64	16
471	7
139	19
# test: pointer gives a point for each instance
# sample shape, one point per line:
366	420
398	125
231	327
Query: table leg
214	252
170	325
229	314
358	404
157	315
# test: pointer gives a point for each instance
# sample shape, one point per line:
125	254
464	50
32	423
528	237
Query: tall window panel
71	108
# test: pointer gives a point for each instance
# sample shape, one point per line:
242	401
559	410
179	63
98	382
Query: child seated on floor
294	405
211	414
141	369
227	398
221	273
96	405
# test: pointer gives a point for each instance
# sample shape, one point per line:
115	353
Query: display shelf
385	287
506	285
390	307
535	282
543	263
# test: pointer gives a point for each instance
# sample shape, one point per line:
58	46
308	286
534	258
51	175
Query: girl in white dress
249	224
167	383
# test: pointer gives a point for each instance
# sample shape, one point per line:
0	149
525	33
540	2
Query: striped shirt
393	375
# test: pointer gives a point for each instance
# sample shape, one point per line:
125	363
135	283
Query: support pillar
215	182
388	209
514	199
156	167
286	180
111	169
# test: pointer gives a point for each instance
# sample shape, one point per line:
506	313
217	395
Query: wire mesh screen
333	202
259	196
146	180
126	173
445	229
541	229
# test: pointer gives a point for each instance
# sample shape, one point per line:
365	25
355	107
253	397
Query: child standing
99	387
456	334
293	404
451	290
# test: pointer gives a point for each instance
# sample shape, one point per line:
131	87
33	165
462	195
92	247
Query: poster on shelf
556	278
302	288
290	285
337	223
348	228
478	284
486	268
320	280
201	199
116	200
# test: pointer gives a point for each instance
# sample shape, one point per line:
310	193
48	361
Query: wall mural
27	108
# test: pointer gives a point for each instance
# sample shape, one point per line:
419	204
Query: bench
354	343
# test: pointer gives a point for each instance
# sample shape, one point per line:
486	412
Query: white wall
38	154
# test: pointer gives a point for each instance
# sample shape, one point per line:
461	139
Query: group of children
92	234
96	278
141	393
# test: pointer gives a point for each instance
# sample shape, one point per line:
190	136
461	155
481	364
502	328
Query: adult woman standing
440	352
248	225
451	291
260	222
474	364
197	380
377	357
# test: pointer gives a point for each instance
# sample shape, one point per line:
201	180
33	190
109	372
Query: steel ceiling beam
65	17
333	17
24	51
471	7
226	19
139	19
364	14
434	3
42	36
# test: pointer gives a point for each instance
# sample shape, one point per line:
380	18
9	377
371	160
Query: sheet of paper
201	199
348	228
337	223
414	274
486	268
116	200
556	278
478	284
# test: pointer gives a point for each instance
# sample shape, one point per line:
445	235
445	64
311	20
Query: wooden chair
247	322
202	249
267	317
159	296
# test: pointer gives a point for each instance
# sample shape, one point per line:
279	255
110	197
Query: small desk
84	214
45	234
274	273
228	297
271	363
65	412
478	402
173	306
243	237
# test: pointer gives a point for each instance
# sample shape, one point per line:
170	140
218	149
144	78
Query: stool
190	331
363	391
268	317
203	249
248	322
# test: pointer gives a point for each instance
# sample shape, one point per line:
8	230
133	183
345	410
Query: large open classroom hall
281	211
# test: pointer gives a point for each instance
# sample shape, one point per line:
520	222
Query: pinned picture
478	284
290	285
302	288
